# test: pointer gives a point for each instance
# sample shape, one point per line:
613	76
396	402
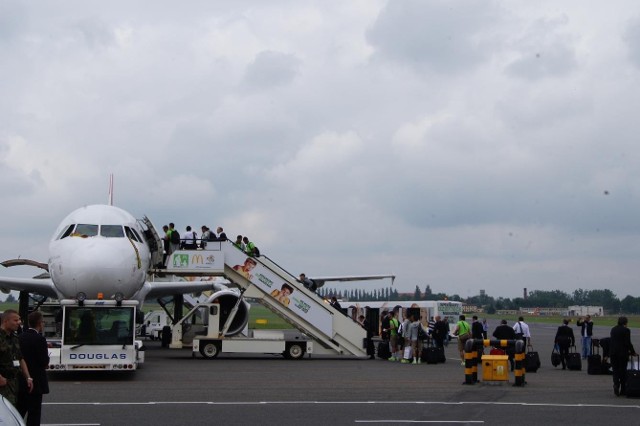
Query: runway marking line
524	404
395	421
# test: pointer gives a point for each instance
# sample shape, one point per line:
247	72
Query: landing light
119	298
81	297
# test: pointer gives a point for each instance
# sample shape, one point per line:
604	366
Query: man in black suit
440	332
477	332
620	349
505	332
36	355
564	339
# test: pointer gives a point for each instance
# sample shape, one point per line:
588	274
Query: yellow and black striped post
519	370
471	361
471	356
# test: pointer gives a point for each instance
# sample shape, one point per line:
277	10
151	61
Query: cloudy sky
463	144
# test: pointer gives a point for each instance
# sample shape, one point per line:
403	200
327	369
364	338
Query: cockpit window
66	231
130	234
83	230
111	231
137	235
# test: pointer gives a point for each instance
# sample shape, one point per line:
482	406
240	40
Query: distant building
580	311
544	311
507	312
472	309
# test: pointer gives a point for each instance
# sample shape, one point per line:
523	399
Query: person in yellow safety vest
249	247
463	331
396	354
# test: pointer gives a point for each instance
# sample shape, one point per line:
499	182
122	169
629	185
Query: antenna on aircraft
111	189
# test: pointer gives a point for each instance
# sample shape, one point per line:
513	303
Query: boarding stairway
263	280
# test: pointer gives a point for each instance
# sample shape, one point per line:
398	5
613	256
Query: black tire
294	351
209	349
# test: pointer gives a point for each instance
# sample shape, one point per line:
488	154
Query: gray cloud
545	50
441	35
270	69
632	38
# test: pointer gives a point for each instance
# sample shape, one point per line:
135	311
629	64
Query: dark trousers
371	350
619	366
30	405
564	355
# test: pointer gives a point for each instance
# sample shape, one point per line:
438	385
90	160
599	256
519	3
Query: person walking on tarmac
370	348
565	339
394	324
522	332
477	333
620	349
406	339
416	342
463	331
440	332
504	332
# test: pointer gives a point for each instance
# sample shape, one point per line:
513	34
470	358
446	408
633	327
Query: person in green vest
396	353
463	331
249	247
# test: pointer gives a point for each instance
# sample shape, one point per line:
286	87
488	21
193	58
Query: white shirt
522	327
189	237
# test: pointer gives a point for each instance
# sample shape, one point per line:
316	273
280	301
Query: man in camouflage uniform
11	362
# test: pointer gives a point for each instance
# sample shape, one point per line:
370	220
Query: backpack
175	237
256	252
421	333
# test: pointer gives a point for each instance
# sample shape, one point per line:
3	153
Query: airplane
103	250
321	281
98	250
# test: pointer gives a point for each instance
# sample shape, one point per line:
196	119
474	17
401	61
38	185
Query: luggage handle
635	357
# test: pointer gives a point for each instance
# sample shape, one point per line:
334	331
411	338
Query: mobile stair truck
220	324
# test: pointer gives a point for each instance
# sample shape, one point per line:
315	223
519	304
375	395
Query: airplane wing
320	281
40	286
155	289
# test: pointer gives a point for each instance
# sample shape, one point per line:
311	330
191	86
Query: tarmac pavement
174	389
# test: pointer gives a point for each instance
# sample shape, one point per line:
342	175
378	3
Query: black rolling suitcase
574	362
432	354
383	350
633	377
594	361
531	360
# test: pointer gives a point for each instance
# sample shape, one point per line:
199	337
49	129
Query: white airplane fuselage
98	249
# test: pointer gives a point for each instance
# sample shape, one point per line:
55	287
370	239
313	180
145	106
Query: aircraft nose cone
99	266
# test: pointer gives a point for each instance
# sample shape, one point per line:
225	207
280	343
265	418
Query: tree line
535	299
